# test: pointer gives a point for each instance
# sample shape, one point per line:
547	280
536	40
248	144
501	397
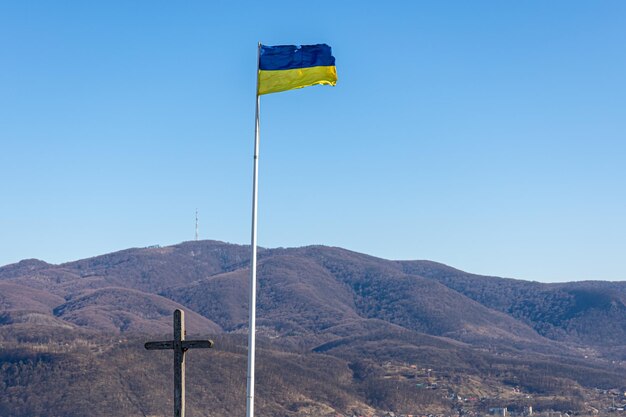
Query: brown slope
129	311
308	290
382	290
586	313
20	304
296	293
295	296
221	297
156	268
21	268
55	279
147	269
372	338
15	297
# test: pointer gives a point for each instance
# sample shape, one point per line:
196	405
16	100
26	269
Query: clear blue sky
487	135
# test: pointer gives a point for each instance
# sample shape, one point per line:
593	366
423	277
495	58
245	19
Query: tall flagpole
255	188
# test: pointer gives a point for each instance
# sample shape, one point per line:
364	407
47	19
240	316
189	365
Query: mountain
342	332
585	313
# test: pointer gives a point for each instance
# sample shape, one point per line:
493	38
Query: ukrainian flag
286	67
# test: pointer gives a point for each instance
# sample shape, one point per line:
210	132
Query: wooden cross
180	346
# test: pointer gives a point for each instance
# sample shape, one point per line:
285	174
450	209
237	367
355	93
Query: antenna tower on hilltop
196	224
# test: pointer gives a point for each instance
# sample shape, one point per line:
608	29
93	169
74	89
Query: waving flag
286	67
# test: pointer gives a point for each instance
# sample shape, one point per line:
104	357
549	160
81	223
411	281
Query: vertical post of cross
179	364
179	345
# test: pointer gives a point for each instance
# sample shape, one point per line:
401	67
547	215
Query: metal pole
252	320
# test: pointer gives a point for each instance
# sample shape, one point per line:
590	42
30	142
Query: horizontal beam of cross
185	344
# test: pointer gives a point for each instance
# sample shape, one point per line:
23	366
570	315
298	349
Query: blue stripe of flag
286	57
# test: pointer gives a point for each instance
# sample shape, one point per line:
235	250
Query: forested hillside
340	333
